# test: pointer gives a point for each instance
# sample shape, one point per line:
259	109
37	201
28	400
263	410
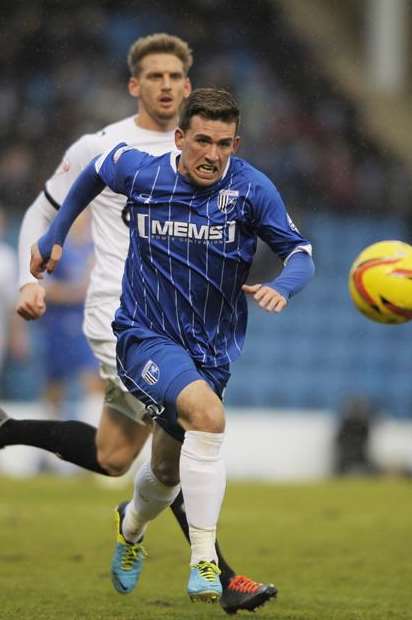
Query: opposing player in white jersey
159	65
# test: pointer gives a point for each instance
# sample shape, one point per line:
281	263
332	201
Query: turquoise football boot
204	583
128	558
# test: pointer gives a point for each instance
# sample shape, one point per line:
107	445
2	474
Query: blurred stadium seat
321	349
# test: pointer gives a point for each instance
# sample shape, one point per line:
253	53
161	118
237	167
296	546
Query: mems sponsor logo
185	230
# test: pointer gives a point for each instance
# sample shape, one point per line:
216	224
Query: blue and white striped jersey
191	249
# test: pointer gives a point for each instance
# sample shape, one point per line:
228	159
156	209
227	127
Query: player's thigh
165	457
124	425
155	370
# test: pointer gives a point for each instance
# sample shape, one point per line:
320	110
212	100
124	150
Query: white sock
150	497
203	480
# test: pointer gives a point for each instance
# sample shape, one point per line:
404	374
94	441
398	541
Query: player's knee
166	474
114	464
209	419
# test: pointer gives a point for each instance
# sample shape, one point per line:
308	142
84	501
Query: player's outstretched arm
274	296
46	253
30	303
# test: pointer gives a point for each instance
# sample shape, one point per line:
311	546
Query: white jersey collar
173	160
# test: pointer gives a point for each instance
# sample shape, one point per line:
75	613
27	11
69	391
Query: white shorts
116	394
97	328
119	399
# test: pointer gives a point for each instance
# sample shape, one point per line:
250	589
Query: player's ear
179	138
187	88
134	87
236	144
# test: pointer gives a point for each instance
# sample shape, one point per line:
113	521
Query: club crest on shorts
227	199
151	372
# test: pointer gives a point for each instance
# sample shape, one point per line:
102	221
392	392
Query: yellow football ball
380	282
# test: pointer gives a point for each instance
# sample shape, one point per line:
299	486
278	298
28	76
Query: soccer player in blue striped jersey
159	66
195	218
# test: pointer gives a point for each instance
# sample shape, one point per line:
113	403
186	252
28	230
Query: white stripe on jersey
170	262
189	268
142	275
221	277
234	283
144	293
207	271
134	178
133	233
148	201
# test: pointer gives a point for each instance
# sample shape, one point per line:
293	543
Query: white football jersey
109	232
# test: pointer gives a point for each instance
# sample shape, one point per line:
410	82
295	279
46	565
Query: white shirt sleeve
42	212
35	223
75	159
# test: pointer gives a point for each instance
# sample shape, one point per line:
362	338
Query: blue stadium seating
321	350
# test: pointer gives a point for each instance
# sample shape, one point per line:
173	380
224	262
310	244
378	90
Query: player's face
161	87
206	147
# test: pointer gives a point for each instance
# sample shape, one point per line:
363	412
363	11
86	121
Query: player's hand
38	265
31	303
266	297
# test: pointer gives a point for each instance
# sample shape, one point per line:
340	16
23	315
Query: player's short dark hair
212	103
159	43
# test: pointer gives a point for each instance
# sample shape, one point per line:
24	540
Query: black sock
71	441
178	509
227	571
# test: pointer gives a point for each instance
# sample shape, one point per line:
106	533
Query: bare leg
118	441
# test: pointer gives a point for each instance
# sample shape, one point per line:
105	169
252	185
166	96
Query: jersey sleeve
75	159
272	222
36	221
119	168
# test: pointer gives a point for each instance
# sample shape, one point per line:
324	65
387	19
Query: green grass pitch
339	550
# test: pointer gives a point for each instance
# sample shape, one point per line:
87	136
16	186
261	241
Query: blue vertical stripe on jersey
237	284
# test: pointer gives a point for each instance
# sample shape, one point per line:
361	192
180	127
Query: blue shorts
155	370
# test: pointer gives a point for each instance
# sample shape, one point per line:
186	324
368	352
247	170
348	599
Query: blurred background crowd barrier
323	88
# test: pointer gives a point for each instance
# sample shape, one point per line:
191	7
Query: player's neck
144	121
